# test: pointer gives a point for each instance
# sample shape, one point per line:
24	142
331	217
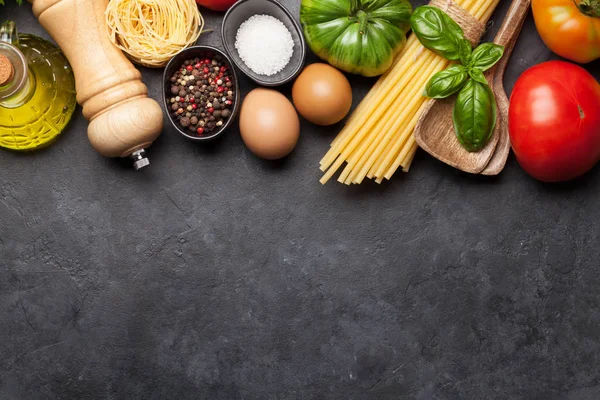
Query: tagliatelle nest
151	32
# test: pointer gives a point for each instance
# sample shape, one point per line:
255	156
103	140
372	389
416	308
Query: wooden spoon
498	161
435	130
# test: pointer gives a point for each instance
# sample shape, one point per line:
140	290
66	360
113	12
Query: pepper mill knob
123	120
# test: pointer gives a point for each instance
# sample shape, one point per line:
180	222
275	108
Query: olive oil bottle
37	90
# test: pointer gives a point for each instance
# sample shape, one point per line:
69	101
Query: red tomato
554	121
216	5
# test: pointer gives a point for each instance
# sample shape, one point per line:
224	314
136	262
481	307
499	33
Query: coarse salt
264	44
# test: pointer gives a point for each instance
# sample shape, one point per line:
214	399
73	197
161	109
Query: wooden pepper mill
123	120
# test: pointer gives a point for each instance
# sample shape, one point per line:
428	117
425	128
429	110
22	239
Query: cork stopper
7	71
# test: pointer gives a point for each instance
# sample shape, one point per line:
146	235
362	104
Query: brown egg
322	94
269	124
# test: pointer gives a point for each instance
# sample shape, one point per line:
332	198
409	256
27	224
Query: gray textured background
214	275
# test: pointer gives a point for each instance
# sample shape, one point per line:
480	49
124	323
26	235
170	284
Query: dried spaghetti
151	32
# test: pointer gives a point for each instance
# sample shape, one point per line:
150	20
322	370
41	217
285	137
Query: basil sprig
475	111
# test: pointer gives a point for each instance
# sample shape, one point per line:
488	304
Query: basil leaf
485	56
465	51
478	76
447	82
437	32
474	115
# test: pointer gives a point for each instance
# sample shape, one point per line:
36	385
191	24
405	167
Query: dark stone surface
214	275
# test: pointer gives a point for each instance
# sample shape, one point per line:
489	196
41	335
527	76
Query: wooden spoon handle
498	161
513	22
123	120
507	36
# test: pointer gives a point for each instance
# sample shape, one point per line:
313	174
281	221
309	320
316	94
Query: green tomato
357	36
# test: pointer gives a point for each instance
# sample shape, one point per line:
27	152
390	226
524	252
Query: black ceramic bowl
175	64
244	9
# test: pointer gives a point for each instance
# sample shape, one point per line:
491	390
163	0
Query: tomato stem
363	18
359	16
591	8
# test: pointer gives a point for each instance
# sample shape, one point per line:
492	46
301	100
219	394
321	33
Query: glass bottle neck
16	82
19	87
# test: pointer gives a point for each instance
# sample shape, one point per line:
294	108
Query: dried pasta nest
151	32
